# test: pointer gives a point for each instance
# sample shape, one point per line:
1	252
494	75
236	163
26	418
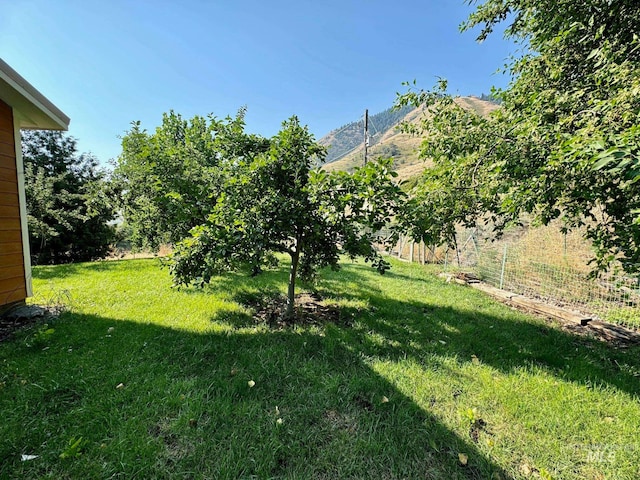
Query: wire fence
541	263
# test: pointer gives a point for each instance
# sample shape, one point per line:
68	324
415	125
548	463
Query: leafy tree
170	179
566	142
68	200
275	202
459	189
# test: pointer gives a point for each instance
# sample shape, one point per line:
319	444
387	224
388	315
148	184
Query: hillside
346	148
349	137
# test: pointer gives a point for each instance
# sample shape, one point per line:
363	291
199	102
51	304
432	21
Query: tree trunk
293	272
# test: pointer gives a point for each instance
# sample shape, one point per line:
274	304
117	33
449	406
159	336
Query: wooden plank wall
12	280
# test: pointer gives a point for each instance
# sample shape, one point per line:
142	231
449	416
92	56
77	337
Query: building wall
13	286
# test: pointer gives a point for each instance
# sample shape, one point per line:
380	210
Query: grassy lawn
418	379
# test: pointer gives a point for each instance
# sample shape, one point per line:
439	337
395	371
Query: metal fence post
504	264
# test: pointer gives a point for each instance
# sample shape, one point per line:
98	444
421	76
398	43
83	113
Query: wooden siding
12	279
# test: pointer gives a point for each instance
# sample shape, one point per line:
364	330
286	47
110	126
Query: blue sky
106	64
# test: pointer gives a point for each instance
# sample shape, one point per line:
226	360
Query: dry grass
408	164
542	262
129	254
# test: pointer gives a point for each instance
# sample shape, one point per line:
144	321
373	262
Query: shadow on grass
186	409
420	329
427	331
152	402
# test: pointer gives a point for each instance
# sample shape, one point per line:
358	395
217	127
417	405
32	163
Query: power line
365	144
366	134
373	125
347	153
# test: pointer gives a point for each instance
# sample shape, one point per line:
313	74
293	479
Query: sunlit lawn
418	379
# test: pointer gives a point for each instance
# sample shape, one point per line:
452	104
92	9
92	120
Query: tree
68	200
275	202
170	179
566	142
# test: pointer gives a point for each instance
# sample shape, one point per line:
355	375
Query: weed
73	449
40	338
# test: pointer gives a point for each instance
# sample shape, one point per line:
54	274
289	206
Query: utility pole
366	134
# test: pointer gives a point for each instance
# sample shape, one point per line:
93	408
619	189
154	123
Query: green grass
154	383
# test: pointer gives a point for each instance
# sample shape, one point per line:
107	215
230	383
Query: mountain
349	137
346	146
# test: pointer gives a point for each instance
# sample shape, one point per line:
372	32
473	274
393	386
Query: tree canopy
69	200
170	179
276	202
565	143
229	200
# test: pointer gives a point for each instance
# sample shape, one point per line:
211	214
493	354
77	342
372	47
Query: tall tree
276	202
68	200
566	142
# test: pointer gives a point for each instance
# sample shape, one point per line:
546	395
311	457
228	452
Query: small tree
276	203
68	200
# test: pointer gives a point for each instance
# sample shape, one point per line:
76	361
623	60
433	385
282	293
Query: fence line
541	263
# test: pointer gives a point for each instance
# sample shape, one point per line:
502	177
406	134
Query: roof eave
33	110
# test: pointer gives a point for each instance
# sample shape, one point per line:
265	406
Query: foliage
74	448
68	200
170	179
458	189
565	142
276	203
40	337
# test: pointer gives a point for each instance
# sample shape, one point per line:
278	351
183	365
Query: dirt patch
22	317
570	321
478	426
127	253
175	448
340	421
310	309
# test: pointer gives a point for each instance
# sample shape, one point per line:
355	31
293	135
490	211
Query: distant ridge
343	140
346	144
